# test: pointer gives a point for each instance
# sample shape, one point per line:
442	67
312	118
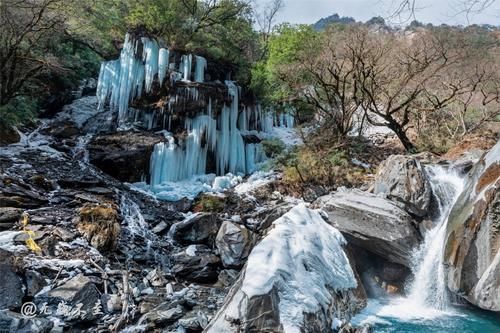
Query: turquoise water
391	316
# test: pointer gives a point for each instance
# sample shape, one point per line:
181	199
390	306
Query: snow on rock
256	180
297	279
189	188
288	135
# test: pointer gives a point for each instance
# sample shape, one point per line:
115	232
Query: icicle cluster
123	80
222	136
221	132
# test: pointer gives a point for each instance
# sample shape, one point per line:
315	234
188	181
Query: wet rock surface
472	251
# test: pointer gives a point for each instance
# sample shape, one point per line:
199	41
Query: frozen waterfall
173	161
216	133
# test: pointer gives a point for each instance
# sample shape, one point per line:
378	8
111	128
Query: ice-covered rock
472	254
373	223
403	178
297	279
16	322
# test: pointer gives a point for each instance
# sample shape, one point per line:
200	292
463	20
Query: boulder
404	179
123	155
14	192
373	223
9	216
234	243
162	315
77	299
194	321
472	252
34	282
196	229
196	263
8	134
298	278
16	322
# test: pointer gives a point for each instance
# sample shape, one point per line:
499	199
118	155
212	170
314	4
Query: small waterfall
80	151
429	285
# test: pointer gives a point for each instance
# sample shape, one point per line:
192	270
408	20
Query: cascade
122	80
429	286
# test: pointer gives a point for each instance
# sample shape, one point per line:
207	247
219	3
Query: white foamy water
428	289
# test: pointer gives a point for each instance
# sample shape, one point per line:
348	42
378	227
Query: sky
428	11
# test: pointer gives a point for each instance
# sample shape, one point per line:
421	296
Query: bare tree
266	19
333	91
405	10
27	27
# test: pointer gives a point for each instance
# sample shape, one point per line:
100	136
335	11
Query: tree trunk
396	128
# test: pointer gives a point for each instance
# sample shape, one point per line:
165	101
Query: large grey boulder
234	243
79	293
404	179
196	229
196	263
298	278
372	222
472	253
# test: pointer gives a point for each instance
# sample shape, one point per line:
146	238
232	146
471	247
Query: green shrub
18	110
273	147
209	203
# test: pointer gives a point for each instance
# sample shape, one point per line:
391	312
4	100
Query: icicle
150	57
201	65
163	59
185	66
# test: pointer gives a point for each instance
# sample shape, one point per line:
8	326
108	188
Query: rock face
472	254
373	223
11	292
298	278
402	178
234	243
123	155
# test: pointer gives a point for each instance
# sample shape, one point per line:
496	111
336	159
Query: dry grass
98	223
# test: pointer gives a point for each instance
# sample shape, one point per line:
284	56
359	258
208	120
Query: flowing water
427	308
